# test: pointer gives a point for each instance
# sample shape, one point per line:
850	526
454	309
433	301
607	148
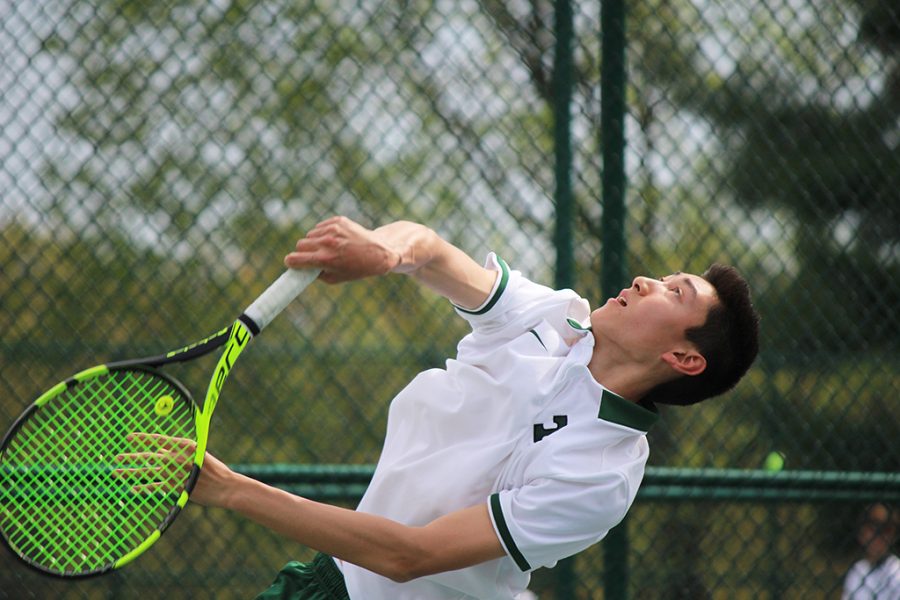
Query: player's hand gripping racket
70	504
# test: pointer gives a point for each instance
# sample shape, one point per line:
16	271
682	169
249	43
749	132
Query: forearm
380	545
436	263
376	544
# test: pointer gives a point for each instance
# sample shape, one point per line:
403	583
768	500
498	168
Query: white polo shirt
516	421
867	581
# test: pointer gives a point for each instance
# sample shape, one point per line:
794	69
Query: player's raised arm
346	251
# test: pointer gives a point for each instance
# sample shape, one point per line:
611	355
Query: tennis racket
96	469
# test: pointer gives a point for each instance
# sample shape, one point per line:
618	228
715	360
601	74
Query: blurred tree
807	123
189	119
199	136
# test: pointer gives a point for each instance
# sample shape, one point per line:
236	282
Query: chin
597	318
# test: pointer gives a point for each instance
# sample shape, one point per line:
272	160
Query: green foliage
343	351
193	141
807	130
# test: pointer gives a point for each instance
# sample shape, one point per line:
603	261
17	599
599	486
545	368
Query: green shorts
318	580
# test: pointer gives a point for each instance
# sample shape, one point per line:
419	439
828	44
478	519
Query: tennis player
526	448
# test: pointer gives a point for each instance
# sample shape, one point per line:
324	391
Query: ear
686	362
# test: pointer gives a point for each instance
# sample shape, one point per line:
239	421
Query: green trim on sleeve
504	279
506	536
616	409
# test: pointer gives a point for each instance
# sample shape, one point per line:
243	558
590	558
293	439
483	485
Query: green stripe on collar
618	410
576	325
506	536
504	279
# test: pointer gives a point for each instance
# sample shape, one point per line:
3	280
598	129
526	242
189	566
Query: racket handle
278	295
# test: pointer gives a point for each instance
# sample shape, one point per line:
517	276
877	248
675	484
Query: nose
643	285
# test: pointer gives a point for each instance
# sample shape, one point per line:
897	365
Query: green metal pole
562	135
613	277
612	144
615	562
562	237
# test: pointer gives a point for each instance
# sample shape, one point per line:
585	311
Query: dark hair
728	340
882	517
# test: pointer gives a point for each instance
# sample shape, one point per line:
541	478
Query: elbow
399	573
409	562
400	576
404	568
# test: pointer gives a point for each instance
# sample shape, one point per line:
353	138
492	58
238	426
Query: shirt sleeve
551	519
516	303
485	312
583	483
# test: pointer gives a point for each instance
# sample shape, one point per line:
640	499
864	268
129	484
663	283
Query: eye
675	289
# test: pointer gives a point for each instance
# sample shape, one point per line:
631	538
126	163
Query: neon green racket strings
67	503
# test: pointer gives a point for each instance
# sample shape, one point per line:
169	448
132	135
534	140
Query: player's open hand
163	464
344	250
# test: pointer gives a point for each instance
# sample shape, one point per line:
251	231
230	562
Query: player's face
650	317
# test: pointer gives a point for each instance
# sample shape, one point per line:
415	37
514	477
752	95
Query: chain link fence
158	159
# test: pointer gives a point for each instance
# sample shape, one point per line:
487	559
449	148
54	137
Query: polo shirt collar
618	410
577	326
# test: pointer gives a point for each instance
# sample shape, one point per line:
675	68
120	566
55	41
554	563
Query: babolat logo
237	340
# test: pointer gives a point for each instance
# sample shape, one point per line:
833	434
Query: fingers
162	463
342	250
163	487
156	441
334	227
141	473
319	247
329	233
321	242
142	457
337	220
329	226
153	448
149	488
305	260
312	251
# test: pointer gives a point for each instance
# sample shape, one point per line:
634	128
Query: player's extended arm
383	546
345	251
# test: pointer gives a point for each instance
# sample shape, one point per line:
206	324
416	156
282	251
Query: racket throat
251	325
238	338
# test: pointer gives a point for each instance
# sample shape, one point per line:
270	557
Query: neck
875	557
628	376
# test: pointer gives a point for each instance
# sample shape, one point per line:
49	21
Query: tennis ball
774	461
164	405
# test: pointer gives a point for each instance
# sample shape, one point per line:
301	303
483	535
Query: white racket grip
278	295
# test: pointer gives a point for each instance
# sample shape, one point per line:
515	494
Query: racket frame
234	339
148	364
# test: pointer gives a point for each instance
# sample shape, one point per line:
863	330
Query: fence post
612	143
562	146
615	562
564	572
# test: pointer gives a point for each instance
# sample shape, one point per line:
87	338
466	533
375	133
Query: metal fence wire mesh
158	159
